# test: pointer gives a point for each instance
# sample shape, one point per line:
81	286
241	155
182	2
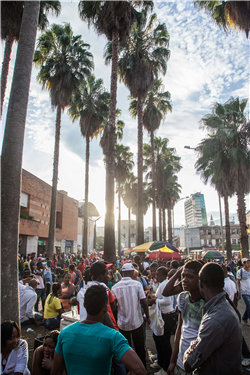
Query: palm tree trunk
153	184
11	163
170	238
86	201
52	221
5	68
227	224
139	217
109	230
119	219
164	223
129	239
242	219
160	221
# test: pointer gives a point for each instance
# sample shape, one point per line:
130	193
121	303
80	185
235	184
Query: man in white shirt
128	295
28	297
229	286
243	279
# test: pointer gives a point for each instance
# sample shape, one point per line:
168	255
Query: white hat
128	267
244	260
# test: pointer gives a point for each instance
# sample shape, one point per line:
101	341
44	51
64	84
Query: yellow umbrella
143	248
166	249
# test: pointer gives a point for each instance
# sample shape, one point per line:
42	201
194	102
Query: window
58	220
24	199
234	242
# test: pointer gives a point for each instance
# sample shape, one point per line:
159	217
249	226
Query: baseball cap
98	268
128	267
244	260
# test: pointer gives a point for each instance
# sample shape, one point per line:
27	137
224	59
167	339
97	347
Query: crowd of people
191	299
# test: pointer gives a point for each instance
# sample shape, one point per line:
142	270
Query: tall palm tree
113	19
104	132
143	56
11	18
64	62
129	196
123	166
171	194
11	161
228	14
228	122
90	105
155	107
213	165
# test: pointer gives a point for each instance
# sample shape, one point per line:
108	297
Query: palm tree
123	166
65	62
213	165
113	19
228	14
143	55
156	105
170	197
11	161
90	105
229	124
11	18
129	196
104	131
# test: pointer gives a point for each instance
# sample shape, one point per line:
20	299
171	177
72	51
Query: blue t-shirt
89	348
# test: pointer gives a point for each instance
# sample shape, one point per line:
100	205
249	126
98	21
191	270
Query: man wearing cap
128	294
243	279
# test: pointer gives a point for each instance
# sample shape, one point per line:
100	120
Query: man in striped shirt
128	295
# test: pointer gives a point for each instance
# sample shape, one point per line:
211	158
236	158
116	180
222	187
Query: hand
171	368
47	363
179	271
147	320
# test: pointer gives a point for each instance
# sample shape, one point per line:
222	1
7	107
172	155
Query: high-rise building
195	210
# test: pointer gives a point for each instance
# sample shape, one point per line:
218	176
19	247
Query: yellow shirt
50	310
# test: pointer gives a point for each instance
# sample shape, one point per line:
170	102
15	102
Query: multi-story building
211	235
125	233
35	216
195	210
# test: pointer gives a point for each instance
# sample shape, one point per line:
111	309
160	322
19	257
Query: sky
206	66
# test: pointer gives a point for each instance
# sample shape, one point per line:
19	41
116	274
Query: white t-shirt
17	360
166	303
81	295
230	288
244	277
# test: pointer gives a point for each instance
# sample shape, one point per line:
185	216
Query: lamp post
221	224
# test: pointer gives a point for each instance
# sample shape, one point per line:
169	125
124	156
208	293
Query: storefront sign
41	243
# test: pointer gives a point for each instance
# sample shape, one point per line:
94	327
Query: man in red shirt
81	265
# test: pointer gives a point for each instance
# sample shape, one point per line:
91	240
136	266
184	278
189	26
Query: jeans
138	339
41	293
246	314
52	323
162	343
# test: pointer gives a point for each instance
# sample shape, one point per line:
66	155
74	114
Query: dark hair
154	265
7	329
194	265
98	268
26	271
87	276
72	267
55	288
52	335
175	264
212	276
201	261
163	270
39	263
95	299
229	269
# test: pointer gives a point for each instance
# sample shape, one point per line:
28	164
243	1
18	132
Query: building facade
125	233
195	210
35	216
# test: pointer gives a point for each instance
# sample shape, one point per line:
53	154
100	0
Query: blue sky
205	66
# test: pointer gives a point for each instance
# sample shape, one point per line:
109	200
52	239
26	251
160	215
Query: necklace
4	360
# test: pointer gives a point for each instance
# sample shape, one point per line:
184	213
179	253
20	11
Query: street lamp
221	224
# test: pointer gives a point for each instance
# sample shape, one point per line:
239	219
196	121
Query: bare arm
58	364
131	360
69	292
145	308
37	360
175	351
171	289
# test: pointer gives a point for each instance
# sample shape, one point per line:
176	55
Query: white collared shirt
230	288
166	303
128	294
27	297
17	360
